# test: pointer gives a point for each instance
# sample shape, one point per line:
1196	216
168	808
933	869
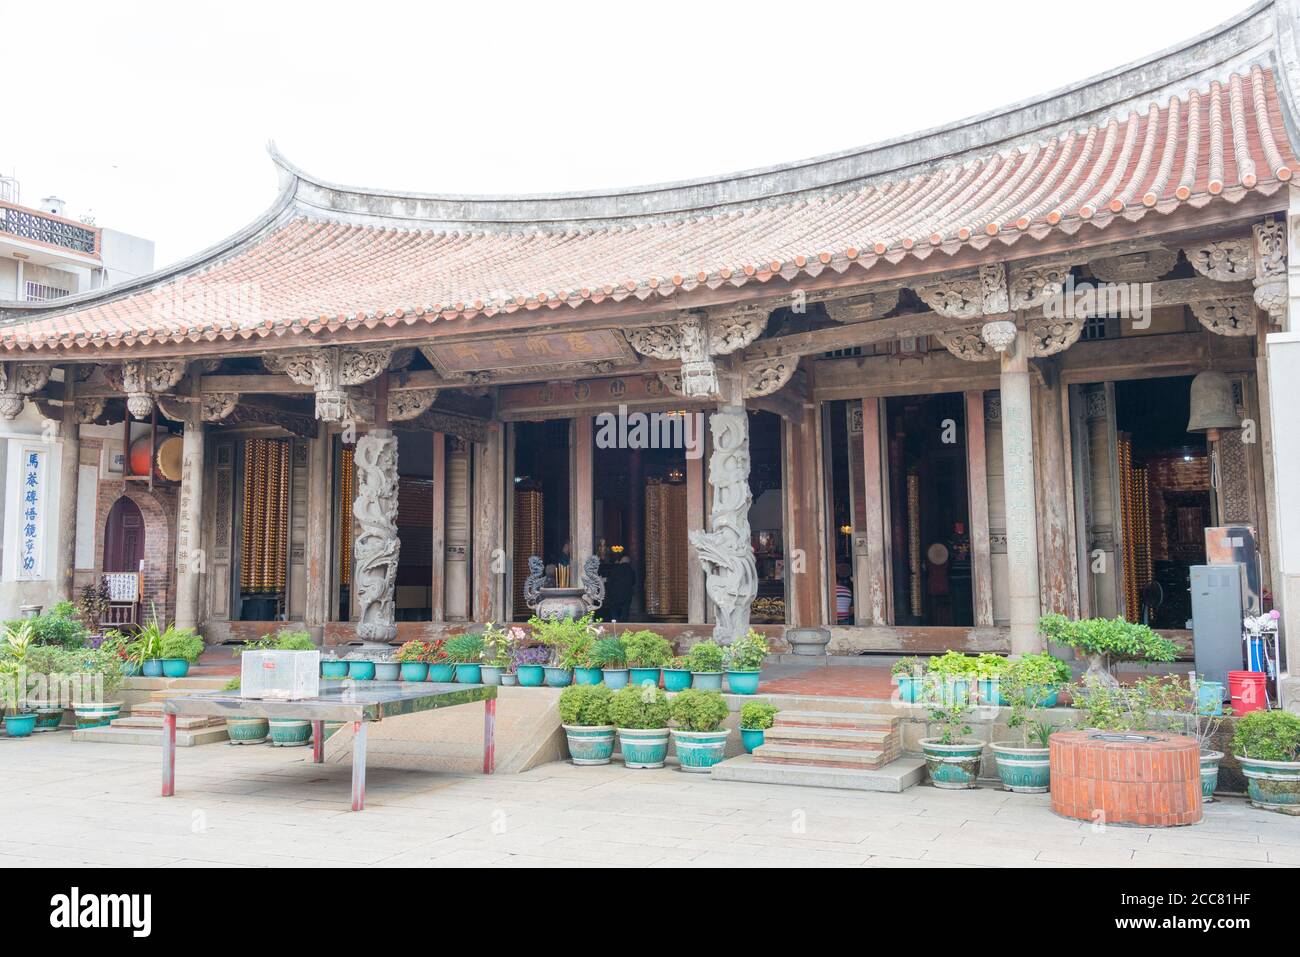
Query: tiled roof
309	271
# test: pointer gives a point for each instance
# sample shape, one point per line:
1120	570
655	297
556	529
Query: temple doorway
262	516
123	537
928	510
414	591
541	507
767	516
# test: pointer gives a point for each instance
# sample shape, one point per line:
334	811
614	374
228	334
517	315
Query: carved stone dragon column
377	547
726	552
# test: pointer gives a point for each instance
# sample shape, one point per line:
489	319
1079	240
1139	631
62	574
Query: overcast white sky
154	116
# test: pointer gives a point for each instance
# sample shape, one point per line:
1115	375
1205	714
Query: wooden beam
438	577
977	482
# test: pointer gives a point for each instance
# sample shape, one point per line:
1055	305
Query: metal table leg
489	735
169	755
318	742
358	765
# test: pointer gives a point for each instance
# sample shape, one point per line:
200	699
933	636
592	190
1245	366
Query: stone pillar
190	560
727	553
69	475
377	548
1018	483
320	552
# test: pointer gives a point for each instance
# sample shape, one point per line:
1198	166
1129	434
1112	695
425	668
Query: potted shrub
179	649
700	738
498	642
411	656
1024	765
530	665
575	657
440	666
584	715
989	670
1267	743
705	662
19	719
567	639
1105	641
586	671
952	759
641	717
951	674
465	652
743	662
755	718
909	675
647	653
146	647
677	674
609	655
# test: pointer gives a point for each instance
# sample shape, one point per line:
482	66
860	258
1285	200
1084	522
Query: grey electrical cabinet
1216	620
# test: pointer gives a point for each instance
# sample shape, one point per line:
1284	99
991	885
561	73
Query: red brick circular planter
1141	778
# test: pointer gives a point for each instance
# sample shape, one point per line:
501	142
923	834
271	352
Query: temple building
917	393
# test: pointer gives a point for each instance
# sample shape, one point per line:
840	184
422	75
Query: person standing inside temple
843	595
620	583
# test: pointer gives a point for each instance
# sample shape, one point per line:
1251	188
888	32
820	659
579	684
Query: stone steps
849	740
830	738
824	756
852	720
895	777
153	736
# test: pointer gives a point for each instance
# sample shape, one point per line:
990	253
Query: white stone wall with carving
23	434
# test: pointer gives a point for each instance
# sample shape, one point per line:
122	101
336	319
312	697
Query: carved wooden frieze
999	334
1226	317
697	339
581	352
407	404
1270	270
18	380
215	406
966	343
1145	266
89	410
874	305
959	297
1050	336
330	371
1227	260
1032	285
141	380
766	376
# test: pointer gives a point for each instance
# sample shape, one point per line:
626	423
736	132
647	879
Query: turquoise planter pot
639	676
643	748
743	682
615	678
388	670
586	676
491	674
698	751
361	670
1210	773
558	677
130	669
289	732
20	725
333	669
442	672
531	676
952	766
48	719
1209	697
175	667
591	744
468	674
675	680
1026	770
415	670
152	668
1273	785
96	715
707	680
909	688
247	730
751	738
990	692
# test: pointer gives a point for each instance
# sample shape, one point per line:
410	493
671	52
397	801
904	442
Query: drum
166	461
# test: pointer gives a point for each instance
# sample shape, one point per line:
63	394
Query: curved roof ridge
1255	35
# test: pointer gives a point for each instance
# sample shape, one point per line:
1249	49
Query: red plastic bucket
1248	690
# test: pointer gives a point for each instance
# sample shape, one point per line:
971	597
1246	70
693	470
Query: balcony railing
38	227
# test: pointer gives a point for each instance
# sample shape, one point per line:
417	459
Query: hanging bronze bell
1213	408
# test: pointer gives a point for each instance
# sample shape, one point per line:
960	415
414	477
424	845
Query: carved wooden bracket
763	376
1145	266
18	380
1050	336
1227	260
697	340
863	308
408	404
1270	270
330	371
1261	259
1226	317
143	380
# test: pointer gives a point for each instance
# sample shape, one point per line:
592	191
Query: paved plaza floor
66	803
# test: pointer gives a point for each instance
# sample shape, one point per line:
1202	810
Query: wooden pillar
696	603
977	483
320	552
803	549
583	500
190	563
69	475
1018	480
872	574
487	527
1056	560
438	577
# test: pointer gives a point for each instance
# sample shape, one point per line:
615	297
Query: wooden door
123	537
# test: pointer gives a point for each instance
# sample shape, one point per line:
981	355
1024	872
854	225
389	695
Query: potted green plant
641	716
1267	744
699	737
466	652
705	661
530	665
952	758
19	719
576	656
146	647
755	718
498	642
559	635
1105	641
743	662
584	715
441	668
647	653
179	648
989	670
908	674
412	657
677	674
609	655
1025	765
952	674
